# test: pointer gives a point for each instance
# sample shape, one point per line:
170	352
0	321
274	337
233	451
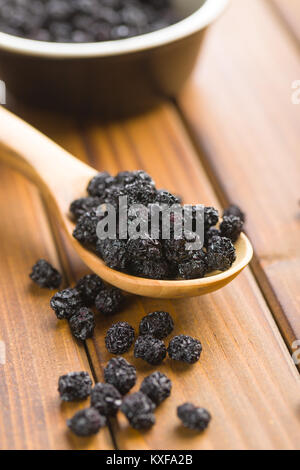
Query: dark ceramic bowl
112	78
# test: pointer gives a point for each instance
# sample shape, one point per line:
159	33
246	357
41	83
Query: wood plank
290	12
239	110
245	376
38	348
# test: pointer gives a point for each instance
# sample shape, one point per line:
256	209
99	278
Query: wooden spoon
62	178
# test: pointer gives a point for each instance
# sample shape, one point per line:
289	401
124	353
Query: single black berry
86	227
211	217
106	399
89	287
193	417
74	386
99	183
45	275
66	303
150	269
157	387
158	324
220	254
83	205
82	324
194	267
151	350
114	253
138	409
185	348
231	227
86	422
119	338
120	374
236	211
110	301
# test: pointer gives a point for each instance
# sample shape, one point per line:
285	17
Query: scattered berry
120	374
45	275
157	387
119	338
151	350
138	409
220	254
110	301
185	348
231	227
82	324
66	303
86	422
106	399
236	211
193	417
157	324
74	386
89	287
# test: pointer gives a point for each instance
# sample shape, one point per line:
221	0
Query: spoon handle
41	160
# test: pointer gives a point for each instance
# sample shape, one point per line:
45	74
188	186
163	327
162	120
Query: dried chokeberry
74	386
211	217
82	324
45	275
86	228
86	422
164	197
83	205
193	417
157	387
193	267
231	227
150	269
120	374
66	303
114	253
144	248
185	348
99	183
110	301
89	287
119	338
151	350
138	409
158	324
106	399
220	254
235	210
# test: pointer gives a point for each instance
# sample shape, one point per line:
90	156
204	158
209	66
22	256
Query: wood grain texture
239	110
289	10
38	348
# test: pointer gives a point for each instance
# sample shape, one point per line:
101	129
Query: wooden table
232	136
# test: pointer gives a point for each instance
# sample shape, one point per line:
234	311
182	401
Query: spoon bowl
62	178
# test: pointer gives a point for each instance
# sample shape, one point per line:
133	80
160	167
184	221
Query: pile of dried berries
155	256
84	20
